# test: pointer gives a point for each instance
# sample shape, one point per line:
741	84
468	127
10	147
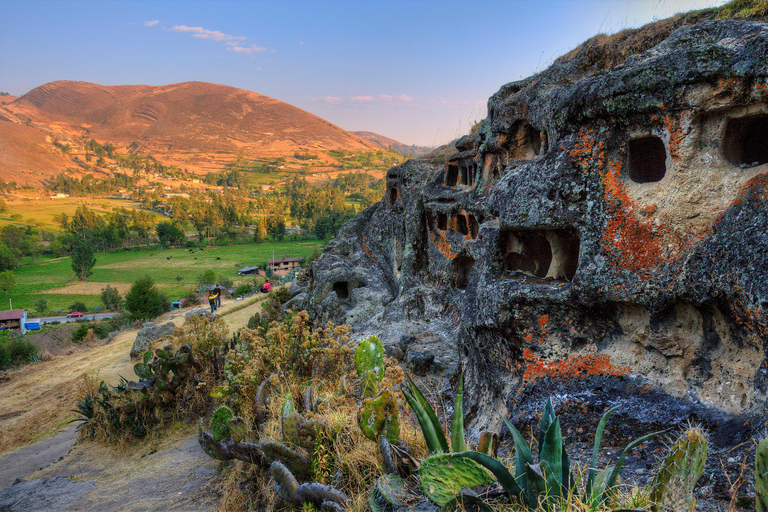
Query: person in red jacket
266	287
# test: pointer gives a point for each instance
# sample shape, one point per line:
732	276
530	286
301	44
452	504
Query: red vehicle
75	314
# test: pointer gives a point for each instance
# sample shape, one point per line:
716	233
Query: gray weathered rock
598	239
148	333
198	312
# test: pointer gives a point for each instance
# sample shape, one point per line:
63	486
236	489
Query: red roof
12	314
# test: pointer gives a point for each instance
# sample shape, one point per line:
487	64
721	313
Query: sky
418	71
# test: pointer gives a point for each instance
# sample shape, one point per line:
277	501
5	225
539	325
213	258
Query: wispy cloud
382	98
248	50
151	23
331	99
204	33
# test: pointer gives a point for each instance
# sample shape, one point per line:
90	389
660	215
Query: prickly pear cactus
220	422
143	370
237	429
443	477
673	486
380	414
369	362
386	494
761	476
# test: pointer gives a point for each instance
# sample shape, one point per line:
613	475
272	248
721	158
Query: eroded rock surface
148	333
605	222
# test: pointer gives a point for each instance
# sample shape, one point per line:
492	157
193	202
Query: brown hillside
196	125
386	143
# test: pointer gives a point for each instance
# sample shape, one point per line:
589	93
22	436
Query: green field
175	270
41	212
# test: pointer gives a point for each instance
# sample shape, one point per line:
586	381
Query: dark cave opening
442	221
474	226
461	224
528	252
646	159
746	140
460	269
452	175
342	289
393	195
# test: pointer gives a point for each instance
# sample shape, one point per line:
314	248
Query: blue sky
419	71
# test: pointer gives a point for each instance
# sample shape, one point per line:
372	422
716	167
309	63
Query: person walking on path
217	291
212	296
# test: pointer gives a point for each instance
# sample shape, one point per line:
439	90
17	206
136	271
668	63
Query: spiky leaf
438	428
761	476
457	426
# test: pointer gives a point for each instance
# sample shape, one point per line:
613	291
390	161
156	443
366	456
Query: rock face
148	333
604	235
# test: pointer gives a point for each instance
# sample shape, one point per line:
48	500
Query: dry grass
603	51
37	399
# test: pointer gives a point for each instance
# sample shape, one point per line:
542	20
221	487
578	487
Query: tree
144	301
207	278
83	259
8	257
168	234
111	298
7	281
41	305
276	227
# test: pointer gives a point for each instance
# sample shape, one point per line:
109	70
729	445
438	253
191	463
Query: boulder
148	333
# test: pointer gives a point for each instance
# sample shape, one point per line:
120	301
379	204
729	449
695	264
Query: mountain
196	125
385	143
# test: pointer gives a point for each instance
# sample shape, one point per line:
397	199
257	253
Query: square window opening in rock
461	224
452	175
442	221
460	269
342	289
528	252
393	195
646	159
746	140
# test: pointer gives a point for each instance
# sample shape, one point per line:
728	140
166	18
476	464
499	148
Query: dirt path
176	475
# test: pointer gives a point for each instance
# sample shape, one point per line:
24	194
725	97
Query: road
60	319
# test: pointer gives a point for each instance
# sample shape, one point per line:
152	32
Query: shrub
78	306
15	351
207	278
144	301
242	289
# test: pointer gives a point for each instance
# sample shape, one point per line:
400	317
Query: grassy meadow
41	212
174	270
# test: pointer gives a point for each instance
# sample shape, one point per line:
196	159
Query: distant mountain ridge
196	125
385	143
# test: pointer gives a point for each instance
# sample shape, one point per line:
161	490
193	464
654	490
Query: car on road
75	314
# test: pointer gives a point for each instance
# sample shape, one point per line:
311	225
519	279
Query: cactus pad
673	485
443	477
369	362
380	414
761	476
237	429
220	422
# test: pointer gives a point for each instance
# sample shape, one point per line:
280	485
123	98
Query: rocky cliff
603	238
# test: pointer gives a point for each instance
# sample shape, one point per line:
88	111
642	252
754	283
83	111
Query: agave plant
551	476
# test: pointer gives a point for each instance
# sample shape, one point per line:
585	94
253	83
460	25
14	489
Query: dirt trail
173	473
37	399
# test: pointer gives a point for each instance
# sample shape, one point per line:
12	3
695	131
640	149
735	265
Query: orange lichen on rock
441	244
676	134
573	367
